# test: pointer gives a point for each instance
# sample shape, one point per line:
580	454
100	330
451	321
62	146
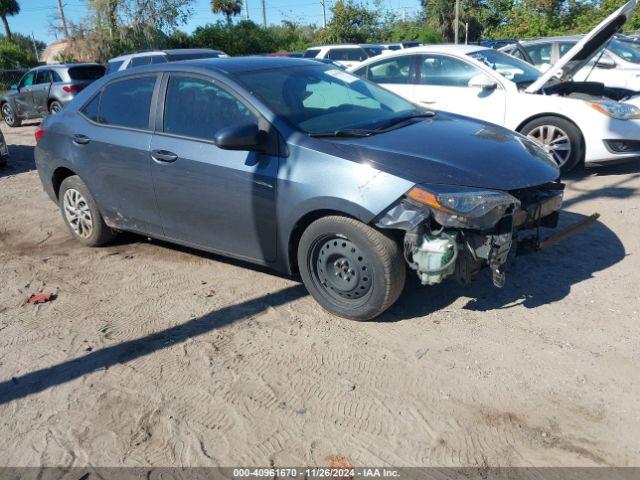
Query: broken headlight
464	207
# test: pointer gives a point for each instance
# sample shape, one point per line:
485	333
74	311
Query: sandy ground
157	355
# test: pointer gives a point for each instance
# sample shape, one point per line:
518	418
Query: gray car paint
247	205
33	101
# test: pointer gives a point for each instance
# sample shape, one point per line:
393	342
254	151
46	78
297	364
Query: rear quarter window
126	103
89	72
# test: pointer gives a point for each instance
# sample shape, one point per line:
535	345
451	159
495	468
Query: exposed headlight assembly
463	207
620	111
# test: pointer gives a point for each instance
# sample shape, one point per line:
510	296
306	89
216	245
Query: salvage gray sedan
298	166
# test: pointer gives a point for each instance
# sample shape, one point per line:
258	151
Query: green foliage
351	23
228	8
14	56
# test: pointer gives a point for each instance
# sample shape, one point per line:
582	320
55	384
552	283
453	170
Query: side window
90	110
347	54
126	103
394	70
517	53
28	79
564	47
155	59
446	71
55	76
139	61
197	108
540	53
43	76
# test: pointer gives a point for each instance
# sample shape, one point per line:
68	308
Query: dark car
4	151
45	90
299	166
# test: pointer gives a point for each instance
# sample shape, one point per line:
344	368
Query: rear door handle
163	156
80	139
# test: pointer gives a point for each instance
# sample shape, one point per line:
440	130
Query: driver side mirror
484	82
606	63
246	136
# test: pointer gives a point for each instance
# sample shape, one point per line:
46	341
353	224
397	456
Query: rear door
40	91
208	197
112	145
443	84
395	74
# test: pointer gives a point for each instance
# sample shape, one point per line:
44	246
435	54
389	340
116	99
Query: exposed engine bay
590	91
443	241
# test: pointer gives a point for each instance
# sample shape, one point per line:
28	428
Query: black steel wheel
351	269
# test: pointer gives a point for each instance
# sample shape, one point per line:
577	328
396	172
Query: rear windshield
89	72
174	57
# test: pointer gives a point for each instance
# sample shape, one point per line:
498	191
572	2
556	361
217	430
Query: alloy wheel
55	108
554	141
7	114
77	213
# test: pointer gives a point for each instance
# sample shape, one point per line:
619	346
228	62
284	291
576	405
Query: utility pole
246	9
456	24
63	20
264	15
35	48
324	14
466	33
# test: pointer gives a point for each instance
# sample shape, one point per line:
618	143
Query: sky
36	14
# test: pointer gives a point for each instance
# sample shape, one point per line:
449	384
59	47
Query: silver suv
44	90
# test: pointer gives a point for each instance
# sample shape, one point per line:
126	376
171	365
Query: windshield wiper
345	132
401	121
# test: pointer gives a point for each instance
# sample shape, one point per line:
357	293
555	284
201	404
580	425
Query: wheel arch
58	176
563	117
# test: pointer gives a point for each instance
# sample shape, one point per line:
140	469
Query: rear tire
9	115
560	138
55	107
350	269
81	214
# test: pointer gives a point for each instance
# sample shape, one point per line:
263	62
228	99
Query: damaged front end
455	231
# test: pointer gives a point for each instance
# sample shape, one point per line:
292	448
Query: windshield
319	99
509	67
628	51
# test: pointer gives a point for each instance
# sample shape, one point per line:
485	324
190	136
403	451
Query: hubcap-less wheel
77	213
554	141
341	268
7	113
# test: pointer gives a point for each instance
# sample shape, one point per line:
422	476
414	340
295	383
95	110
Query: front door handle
163	156
426	101
80	139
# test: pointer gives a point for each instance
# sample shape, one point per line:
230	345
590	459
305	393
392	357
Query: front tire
55	107
9	116
350	269
560	138
81	214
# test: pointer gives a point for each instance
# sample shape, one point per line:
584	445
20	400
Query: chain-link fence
10	77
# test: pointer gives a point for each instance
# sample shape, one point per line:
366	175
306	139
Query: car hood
576	58
455	150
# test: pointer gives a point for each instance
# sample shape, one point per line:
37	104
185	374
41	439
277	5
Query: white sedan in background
573	121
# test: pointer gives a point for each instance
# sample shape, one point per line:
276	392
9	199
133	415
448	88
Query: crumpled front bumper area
436	252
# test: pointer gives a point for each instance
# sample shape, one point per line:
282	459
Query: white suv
348	55
150	57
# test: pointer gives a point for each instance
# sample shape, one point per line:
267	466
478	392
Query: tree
8	8
229	8
351	23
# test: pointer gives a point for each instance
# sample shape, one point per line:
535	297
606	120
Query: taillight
39	133
72	88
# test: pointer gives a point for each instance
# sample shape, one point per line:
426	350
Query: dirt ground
152	354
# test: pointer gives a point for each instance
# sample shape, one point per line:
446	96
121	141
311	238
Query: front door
216	199
24	97
443	84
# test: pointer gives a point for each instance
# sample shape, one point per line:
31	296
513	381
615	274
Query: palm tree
228	8
8	8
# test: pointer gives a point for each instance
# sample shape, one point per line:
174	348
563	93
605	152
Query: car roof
459	49
339	45
551	39
173	51
66	65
